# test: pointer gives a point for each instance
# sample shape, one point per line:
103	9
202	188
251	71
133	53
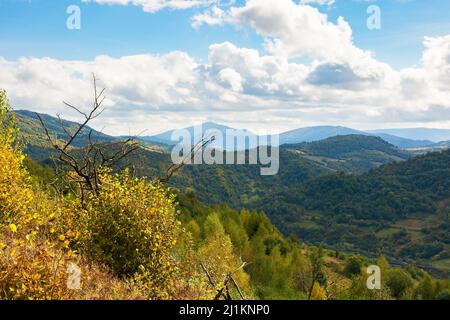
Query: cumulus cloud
245	87
436	59
234	82
262	75
336	75
135	84
231	78
290	28
293	30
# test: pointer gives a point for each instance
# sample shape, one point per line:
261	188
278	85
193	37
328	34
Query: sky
264	65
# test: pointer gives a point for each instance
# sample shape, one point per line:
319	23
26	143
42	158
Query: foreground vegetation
134	239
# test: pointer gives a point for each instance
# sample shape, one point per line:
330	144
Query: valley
354	193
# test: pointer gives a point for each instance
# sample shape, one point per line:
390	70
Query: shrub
399	281
15	192
37	236
353	266
444	295
131	226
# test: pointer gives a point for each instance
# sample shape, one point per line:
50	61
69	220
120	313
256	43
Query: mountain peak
310	134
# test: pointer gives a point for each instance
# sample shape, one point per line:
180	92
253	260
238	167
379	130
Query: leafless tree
87	162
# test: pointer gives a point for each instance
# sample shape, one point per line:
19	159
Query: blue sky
246	67
37	28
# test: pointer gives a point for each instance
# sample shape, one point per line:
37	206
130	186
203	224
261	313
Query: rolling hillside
242	185
399	209
351	153
38	146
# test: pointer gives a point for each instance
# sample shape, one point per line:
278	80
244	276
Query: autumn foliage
123	238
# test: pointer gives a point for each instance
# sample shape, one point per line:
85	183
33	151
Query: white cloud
212	17
293	30
244	87
290	28
135	84
231	78
320	2
157	5
237	85
436	59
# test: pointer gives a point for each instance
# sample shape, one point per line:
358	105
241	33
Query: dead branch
237	287
224	292
88	162
174	168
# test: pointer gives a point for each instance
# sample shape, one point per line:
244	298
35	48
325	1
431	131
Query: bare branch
174	168
237	287
87	164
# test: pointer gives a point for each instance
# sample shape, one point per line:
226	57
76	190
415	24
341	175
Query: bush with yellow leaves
28	262
15	191
131	226
37	240
125	237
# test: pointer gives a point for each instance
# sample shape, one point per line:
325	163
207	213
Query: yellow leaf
13	227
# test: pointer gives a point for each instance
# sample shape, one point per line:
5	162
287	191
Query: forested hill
342	146
400	209
37	143
236	185
242	185
350	153
393	191
29	124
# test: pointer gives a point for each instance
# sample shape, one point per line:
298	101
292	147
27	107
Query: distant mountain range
205	130
433	135
310	134
416	141
420	140
404	143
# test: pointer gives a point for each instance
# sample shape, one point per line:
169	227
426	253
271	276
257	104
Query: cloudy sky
265	65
